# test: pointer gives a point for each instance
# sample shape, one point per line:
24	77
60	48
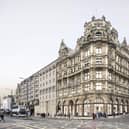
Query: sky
31	31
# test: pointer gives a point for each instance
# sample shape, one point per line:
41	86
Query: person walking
69	116
114	114
93	116
2	116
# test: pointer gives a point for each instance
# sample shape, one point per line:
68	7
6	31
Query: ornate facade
94	77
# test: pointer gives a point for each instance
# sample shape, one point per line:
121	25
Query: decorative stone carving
93	18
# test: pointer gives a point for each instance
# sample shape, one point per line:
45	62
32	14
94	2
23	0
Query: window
98	74
98	50
110	76
86	53
98	34
86	63
73	61
86	76
98	86
99	60
87	87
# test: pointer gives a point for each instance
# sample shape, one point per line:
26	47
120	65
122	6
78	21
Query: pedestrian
48	114
124	112
113	114
69	116
104	115
2	116
93	115
97	115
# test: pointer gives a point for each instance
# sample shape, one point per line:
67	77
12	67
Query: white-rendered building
7	102
47	89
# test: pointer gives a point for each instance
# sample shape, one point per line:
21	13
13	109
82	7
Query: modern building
94	77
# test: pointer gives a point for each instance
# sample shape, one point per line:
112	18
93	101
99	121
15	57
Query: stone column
75	109
82	109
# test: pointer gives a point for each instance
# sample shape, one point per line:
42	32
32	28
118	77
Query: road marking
22	125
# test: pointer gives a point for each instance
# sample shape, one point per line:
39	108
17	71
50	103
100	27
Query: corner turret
100	29
63	50
124	43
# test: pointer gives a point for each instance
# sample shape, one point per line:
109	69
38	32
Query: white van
18	110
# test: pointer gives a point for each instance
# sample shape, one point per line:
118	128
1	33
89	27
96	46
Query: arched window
78	107
99	100
99	105
98	33
115	106
87	107
65	108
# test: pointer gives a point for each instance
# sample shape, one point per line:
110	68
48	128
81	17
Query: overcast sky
31	31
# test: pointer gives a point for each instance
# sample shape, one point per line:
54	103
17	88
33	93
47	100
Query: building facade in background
27	93
94	77
8	102
38	92
47	89
4	92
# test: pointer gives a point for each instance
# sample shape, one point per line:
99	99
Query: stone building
47	89
94	77
38	92
27	93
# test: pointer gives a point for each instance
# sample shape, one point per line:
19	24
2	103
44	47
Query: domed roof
100	29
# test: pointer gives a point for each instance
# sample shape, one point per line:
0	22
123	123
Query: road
108	123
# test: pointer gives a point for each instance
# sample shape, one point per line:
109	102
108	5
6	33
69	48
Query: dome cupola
100	29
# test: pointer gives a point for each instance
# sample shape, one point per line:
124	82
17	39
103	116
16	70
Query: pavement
119	122
71	118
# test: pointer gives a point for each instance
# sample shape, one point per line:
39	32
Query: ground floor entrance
85	106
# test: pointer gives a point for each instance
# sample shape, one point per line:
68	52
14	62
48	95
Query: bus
18	111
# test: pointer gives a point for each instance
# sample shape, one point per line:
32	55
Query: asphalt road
108	123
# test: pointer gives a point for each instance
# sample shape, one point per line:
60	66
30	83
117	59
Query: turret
124	43
63	50
100	29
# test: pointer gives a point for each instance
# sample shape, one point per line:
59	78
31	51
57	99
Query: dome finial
62	44
124	43
62	41
93	18
103	18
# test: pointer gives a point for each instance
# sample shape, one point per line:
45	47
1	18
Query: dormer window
98	34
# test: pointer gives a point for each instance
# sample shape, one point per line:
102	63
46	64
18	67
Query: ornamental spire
124	43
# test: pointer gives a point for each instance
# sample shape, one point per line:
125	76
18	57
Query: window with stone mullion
98	74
